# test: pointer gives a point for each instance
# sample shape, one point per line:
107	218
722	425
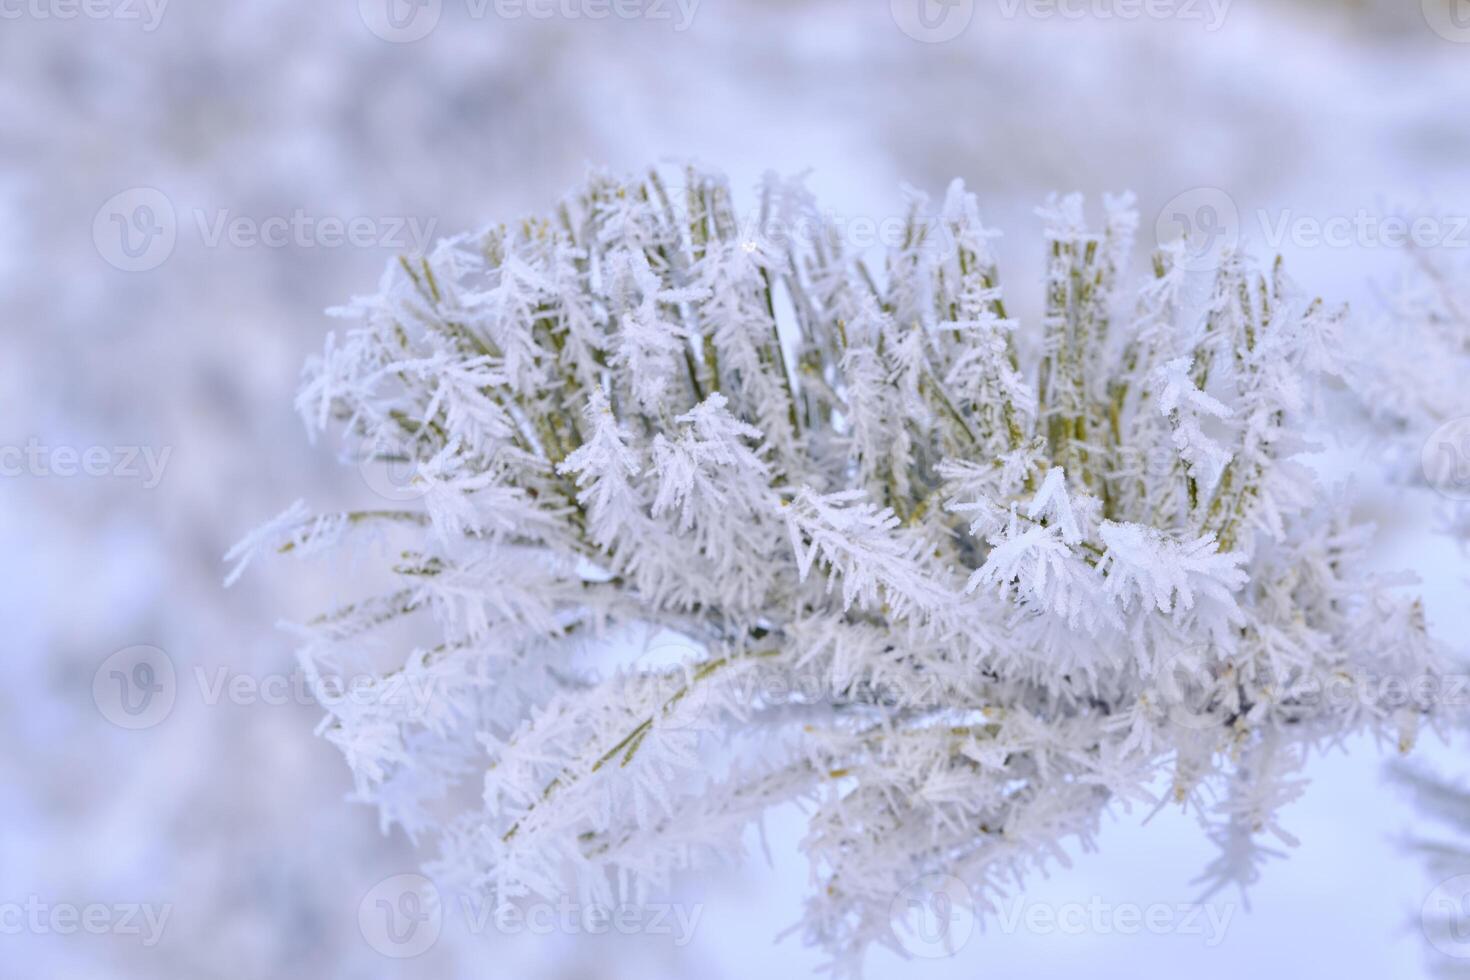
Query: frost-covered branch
714	519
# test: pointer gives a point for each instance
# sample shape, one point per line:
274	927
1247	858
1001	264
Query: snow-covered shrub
1445	850
952	583
1411	381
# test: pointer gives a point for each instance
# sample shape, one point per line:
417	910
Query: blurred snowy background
186	185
